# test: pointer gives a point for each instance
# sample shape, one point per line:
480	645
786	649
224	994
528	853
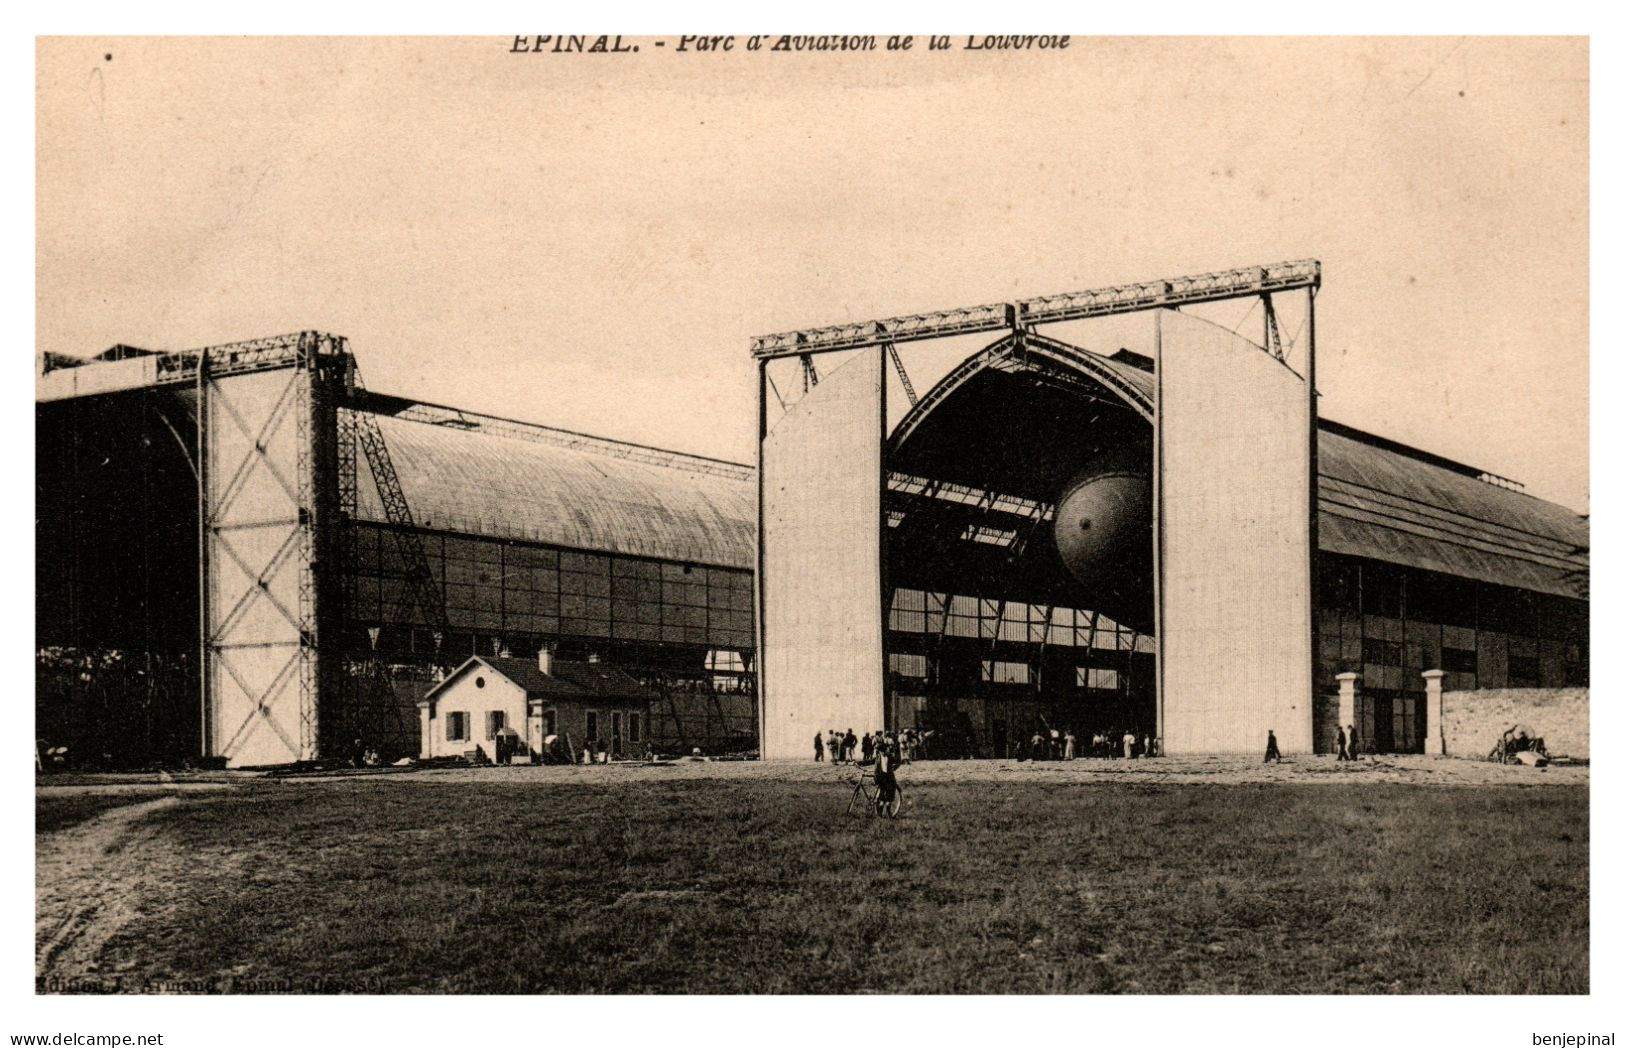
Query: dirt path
90	880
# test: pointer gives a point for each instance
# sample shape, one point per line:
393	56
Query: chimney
544	659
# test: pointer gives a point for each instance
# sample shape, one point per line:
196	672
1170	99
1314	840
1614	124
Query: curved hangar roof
1378	499
486	476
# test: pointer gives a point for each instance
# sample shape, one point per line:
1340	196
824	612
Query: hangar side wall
1233	441
821	646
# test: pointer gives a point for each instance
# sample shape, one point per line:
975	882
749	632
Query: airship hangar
245	556
1171	543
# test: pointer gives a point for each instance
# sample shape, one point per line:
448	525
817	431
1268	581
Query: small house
530	701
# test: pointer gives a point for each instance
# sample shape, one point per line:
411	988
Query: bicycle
866	787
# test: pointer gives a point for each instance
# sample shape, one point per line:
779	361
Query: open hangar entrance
1019	578
1050	537
116	574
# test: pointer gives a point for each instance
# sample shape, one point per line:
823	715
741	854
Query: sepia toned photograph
835	515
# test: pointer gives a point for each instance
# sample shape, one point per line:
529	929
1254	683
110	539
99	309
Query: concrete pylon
1435	738
1345	698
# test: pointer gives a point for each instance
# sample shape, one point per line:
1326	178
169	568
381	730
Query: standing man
885	771
1272	750
1354	744
818	746
1342	744
851	745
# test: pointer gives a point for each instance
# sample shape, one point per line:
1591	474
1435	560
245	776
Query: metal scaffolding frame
320	394
293	554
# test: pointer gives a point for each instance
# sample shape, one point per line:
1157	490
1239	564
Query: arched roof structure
1017	420
478	475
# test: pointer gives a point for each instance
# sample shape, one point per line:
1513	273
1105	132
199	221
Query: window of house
495	721
592	725
457	727
634	727
615	725
550	722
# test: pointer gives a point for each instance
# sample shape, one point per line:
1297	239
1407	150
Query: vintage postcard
846	514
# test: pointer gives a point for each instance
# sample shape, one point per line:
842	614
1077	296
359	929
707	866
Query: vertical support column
761	531
425	744
1435	712
1313	451
341	694
1156	533
883	616
1345	698
206	740
331	504
312	544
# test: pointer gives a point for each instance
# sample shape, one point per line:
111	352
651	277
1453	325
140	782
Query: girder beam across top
1051	309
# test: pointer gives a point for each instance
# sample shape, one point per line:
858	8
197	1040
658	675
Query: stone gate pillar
1435	715
1345	698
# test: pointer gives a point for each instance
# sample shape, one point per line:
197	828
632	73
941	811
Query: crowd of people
847	748
1053	744
1058	744
1044	744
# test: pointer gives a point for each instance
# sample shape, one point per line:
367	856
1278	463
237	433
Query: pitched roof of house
568	679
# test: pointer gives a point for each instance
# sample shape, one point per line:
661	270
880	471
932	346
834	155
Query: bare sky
589	241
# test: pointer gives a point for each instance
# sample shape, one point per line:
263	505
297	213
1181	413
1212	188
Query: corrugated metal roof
579	497
1377	501
1386	505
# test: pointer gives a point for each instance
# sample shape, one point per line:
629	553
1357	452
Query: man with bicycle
885	772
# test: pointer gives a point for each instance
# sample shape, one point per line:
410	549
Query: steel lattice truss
421	588
1051	309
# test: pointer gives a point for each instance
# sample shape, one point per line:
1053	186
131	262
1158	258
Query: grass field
701	886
